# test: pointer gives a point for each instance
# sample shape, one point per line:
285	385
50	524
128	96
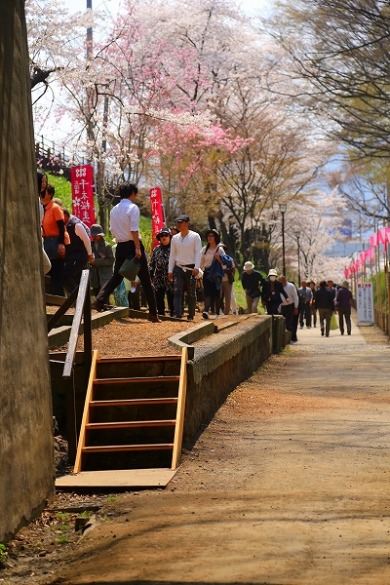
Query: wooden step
118	448
129	367
140	380
134	413
132	360
133	402
130	424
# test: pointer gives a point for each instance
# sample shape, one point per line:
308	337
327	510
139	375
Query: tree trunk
26	442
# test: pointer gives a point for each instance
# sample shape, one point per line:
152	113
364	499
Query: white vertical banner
365	303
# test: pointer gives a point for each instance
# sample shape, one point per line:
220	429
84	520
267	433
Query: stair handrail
180	411
83	309
85	418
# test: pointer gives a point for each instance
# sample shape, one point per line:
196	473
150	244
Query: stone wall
26	440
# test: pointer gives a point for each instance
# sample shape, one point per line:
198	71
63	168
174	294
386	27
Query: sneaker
205	315
189	318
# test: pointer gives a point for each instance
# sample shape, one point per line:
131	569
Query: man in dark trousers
183	268
305	296
124	224
324	302
343	305
273	293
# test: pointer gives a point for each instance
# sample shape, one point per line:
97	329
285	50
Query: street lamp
298	235
283	209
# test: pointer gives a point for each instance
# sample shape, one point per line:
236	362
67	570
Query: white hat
272	272
248	266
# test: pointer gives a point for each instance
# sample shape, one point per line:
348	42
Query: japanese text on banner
82	194
156	205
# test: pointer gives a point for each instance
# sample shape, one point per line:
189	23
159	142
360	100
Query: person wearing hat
101	270
273	293
343	304
158	270
184	261
251	280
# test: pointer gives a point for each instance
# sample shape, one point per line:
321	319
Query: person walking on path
290	309
273	293
101	270
324	302
313	289
184	262
252	280
124	224
212	279
227	283
158	269
305	300
343	305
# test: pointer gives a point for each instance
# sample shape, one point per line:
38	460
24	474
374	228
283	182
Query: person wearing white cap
273	293
251	280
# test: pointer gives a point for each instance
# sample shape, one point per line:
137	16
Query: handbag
130	268
333	322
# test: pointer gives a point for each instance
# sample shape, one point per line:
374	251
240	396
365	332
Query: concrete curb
60	335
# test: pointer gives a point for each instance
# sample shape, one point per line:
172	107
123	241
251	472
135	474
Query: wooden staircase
134	414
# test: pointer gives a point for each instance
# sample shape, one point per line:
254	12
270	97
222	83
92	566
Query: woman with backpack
211	264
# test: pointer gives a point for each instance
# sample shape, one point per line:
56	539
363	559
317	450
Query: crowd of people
299	306
181	273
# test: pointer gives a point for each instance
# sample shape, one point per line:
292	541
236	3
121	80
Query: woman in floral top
158	269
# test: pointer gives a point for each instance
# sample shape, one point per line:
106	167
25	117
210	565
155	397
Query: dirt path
288	485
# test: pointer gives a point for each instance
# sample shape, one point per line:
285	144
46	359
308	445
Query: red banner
82	194
157	209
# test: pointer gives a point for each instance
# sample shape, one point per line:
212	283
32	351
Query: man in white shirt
290	307
124	224
183	266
